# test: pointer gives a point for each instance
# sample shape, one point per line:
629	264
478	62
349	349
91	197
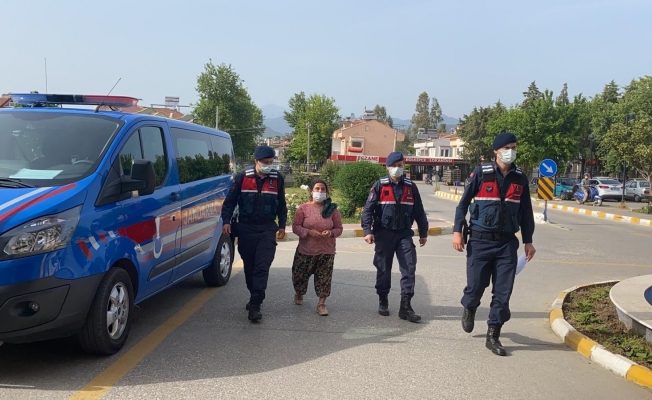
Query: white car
608	189
637	189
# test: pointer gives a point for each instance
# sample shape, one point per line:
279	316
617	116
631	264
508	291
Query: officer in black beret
502	205
392	207
259	193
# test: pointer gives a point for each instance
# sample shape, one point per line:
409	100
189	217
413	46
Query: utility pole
395	137
308	152
217	117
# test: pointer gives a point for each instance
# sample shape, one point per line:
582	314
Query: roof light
37	99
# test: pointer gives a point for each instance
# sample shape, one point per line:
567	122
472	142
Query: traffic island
586	320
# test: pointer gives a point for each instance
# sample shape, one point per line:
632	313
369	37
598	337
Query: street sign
546	188
548	168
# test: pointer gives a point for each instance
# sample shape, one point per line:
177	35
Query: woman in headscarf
317	223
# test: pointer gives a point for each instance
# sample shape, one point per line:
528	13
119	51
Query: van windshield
52	148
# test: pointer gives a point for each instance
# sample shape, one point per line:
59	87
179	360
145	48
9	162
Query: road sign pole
545	211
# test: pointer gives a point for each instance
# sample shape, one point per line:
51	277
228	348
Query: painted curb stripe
615	363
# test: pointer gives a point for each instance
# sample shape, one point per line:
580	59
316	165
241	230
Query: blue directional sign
548	168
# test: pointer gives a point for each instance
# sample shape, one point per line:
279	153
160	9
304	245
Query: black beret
503	139
394	157
264	152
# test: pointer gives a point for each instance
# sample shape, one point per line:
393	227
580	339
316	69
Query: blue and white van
100	210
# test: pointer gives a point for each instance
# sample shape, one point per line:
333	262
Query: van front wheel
219	272
109	319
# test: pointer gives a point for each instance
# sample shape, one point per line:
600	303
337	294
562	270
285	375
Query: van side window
193	151
154	150
222	155
146	144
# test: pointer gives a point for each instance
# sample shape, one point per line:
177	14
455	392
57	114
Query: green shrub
302	178
329	171
354	181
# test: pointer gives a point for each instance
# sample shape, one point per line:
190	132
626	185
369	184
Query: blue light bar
38	99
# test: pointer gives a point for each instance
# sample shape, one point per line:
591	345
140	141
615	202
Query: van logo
157	238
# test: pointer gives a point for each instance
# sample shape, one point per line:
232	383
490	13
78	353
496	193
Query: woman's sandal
298	299
322	310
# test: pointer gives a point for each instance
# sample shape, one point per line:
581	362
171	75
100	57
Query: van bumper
46	308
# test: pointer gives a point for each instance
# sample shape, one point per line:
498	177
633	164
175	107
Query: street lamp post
628	117
308	152
591	138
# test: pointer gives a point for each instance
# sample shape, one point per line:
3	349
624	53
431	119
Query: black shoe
406	312
254	313
493	343
383	305
468	319
248	306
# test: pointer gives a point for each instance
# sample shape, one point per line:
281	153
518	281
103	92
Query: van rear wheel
109	319
219	272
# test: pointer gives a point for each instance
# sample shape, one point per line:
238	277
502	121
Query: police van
100	210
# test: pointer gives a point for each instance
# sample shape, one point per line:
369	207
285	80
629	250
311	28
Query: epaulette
250	172
384	180
407	181
273	174
519	170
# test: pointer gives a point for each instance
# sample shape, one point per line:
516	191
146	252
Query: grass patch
591	312
643	210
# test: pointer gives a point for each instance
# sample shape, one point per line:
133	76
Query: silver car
637	189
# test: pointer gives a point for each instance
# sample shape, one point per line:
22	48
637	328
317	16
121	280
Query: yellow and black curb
590	349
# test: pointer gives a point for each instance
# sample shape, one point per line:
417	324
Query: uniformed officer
392	207
501	205
259	192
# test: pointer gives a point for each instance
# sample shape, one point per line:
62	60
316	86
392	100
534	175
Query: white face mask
265	168
319	197
508	156
396	172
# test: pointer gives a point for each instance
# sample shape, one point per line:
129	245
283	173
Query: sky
467	53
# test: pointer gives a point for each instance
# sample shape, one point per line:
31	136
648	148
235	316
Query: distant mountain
269	132
276	125
271	111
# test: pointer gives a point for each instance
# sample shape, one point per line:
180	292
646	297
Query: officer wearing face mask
392	207
501	206
259	193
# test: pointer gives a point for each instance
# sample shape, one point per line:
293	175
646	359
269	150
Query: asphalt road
191	342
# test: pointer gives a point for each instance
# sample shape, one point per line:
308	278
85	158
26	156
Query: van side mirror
142	179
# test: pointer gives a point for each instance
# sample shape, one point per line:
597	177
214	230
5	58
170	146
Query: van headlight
40	235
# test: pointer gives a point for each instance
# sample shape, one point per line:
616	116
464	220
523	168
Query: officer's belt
254	221
491	235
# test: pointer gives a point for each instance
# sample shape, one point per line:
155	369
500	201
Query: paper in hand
520	265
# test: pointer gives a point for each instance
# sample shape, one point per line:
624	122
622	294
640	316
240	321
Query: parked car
637	189
564	188
608	188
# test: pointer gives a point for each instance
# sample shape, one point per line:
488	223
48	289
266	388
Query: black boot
468	319
254	313
406	311
493	343
248	306
383	305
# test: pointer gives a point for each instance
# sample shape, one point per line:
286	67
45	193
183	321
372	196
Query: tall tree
421	119
435	114
562	99
473	130
382	116
441	128
632	141
533	94
297	104
220	87
323	115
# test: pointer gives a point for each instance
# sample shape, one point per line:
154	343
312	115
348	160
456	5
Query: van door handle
174	196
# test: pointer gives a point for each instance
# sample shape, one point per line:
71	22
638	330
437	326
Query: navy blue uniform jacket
527	217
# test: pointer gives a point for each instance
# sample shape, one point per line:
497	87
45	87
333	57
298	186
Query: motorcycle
428	180
594	197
